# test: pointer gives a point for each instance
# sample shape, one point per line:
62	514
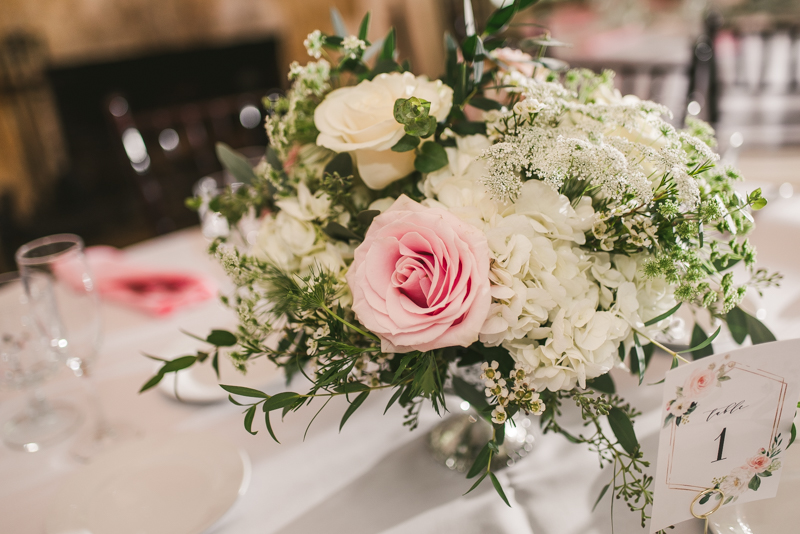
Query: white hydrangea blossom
560	311
292	241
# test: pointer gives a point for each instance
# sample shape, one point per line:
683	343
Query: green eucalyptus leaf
269	427
244	391
372	49
234	401
719	266
363	29
178	364
398	391
273	159
499	488
215	364
698	337
701	233
469	128
342	233
248	419
152	382
366	217
499	435
333	41
468	392
481	462
759	333
641	364
477	482
406	143
664	315
342	164
600	497
793	436
221	338
704	344
351	387
755	483
603	384
338	23
486	104
358	401
280	400
623	430
235	163
193	203
469	46
389	46
432	157
499	19
414	114
155	358
737	324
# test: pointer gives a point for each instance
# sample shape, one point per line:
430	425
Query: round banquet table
375	476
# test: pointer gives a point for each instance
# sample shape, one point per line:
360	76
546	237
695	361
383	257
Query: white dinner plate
778	515
199	383
181	484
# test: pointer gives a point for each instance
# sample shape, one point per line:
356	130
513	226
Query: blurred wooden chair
757	72
169	148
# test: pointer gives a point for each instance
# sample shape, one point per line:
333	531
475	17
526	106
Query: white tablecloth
375	476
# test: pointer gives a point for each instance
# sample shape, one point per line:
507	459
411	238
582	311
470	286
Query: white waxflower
313	44
499	415
489	371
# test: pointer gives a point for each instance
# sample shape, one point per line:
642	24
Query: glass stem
103	428
38	406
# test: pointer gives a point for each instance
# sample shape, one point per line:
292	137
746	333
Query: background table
374	476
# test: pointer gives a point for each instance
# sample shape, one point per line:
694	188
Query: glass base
101	438
456	441
31	430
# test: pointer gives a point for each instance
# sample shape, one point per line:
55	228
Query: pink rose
759	463
700	383
420	279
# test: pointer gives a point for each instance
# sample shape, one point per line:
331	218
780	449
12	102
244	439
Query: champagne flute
26	360
64	296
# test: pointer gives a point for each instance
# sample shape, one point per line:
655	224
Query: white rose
360	119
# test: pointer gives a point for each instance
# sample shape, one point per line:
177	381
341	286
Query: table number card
726	423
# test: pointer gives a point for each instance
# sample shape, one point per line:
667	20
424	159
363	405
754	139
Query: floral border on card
775	437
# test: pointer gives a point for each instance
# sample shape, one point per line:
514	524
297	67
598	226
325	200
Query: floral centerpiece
528	221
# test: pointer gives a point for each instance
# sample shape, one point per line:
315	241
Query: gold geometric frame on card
776	421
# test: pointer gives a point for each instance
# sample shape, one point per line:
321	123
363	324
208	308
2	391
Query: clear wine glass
64	297
27	360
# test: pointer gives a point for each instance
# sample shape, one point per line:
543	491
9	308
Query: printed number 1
721	439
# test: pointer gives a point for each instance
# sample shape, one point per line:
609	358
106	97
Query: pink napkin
149	289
